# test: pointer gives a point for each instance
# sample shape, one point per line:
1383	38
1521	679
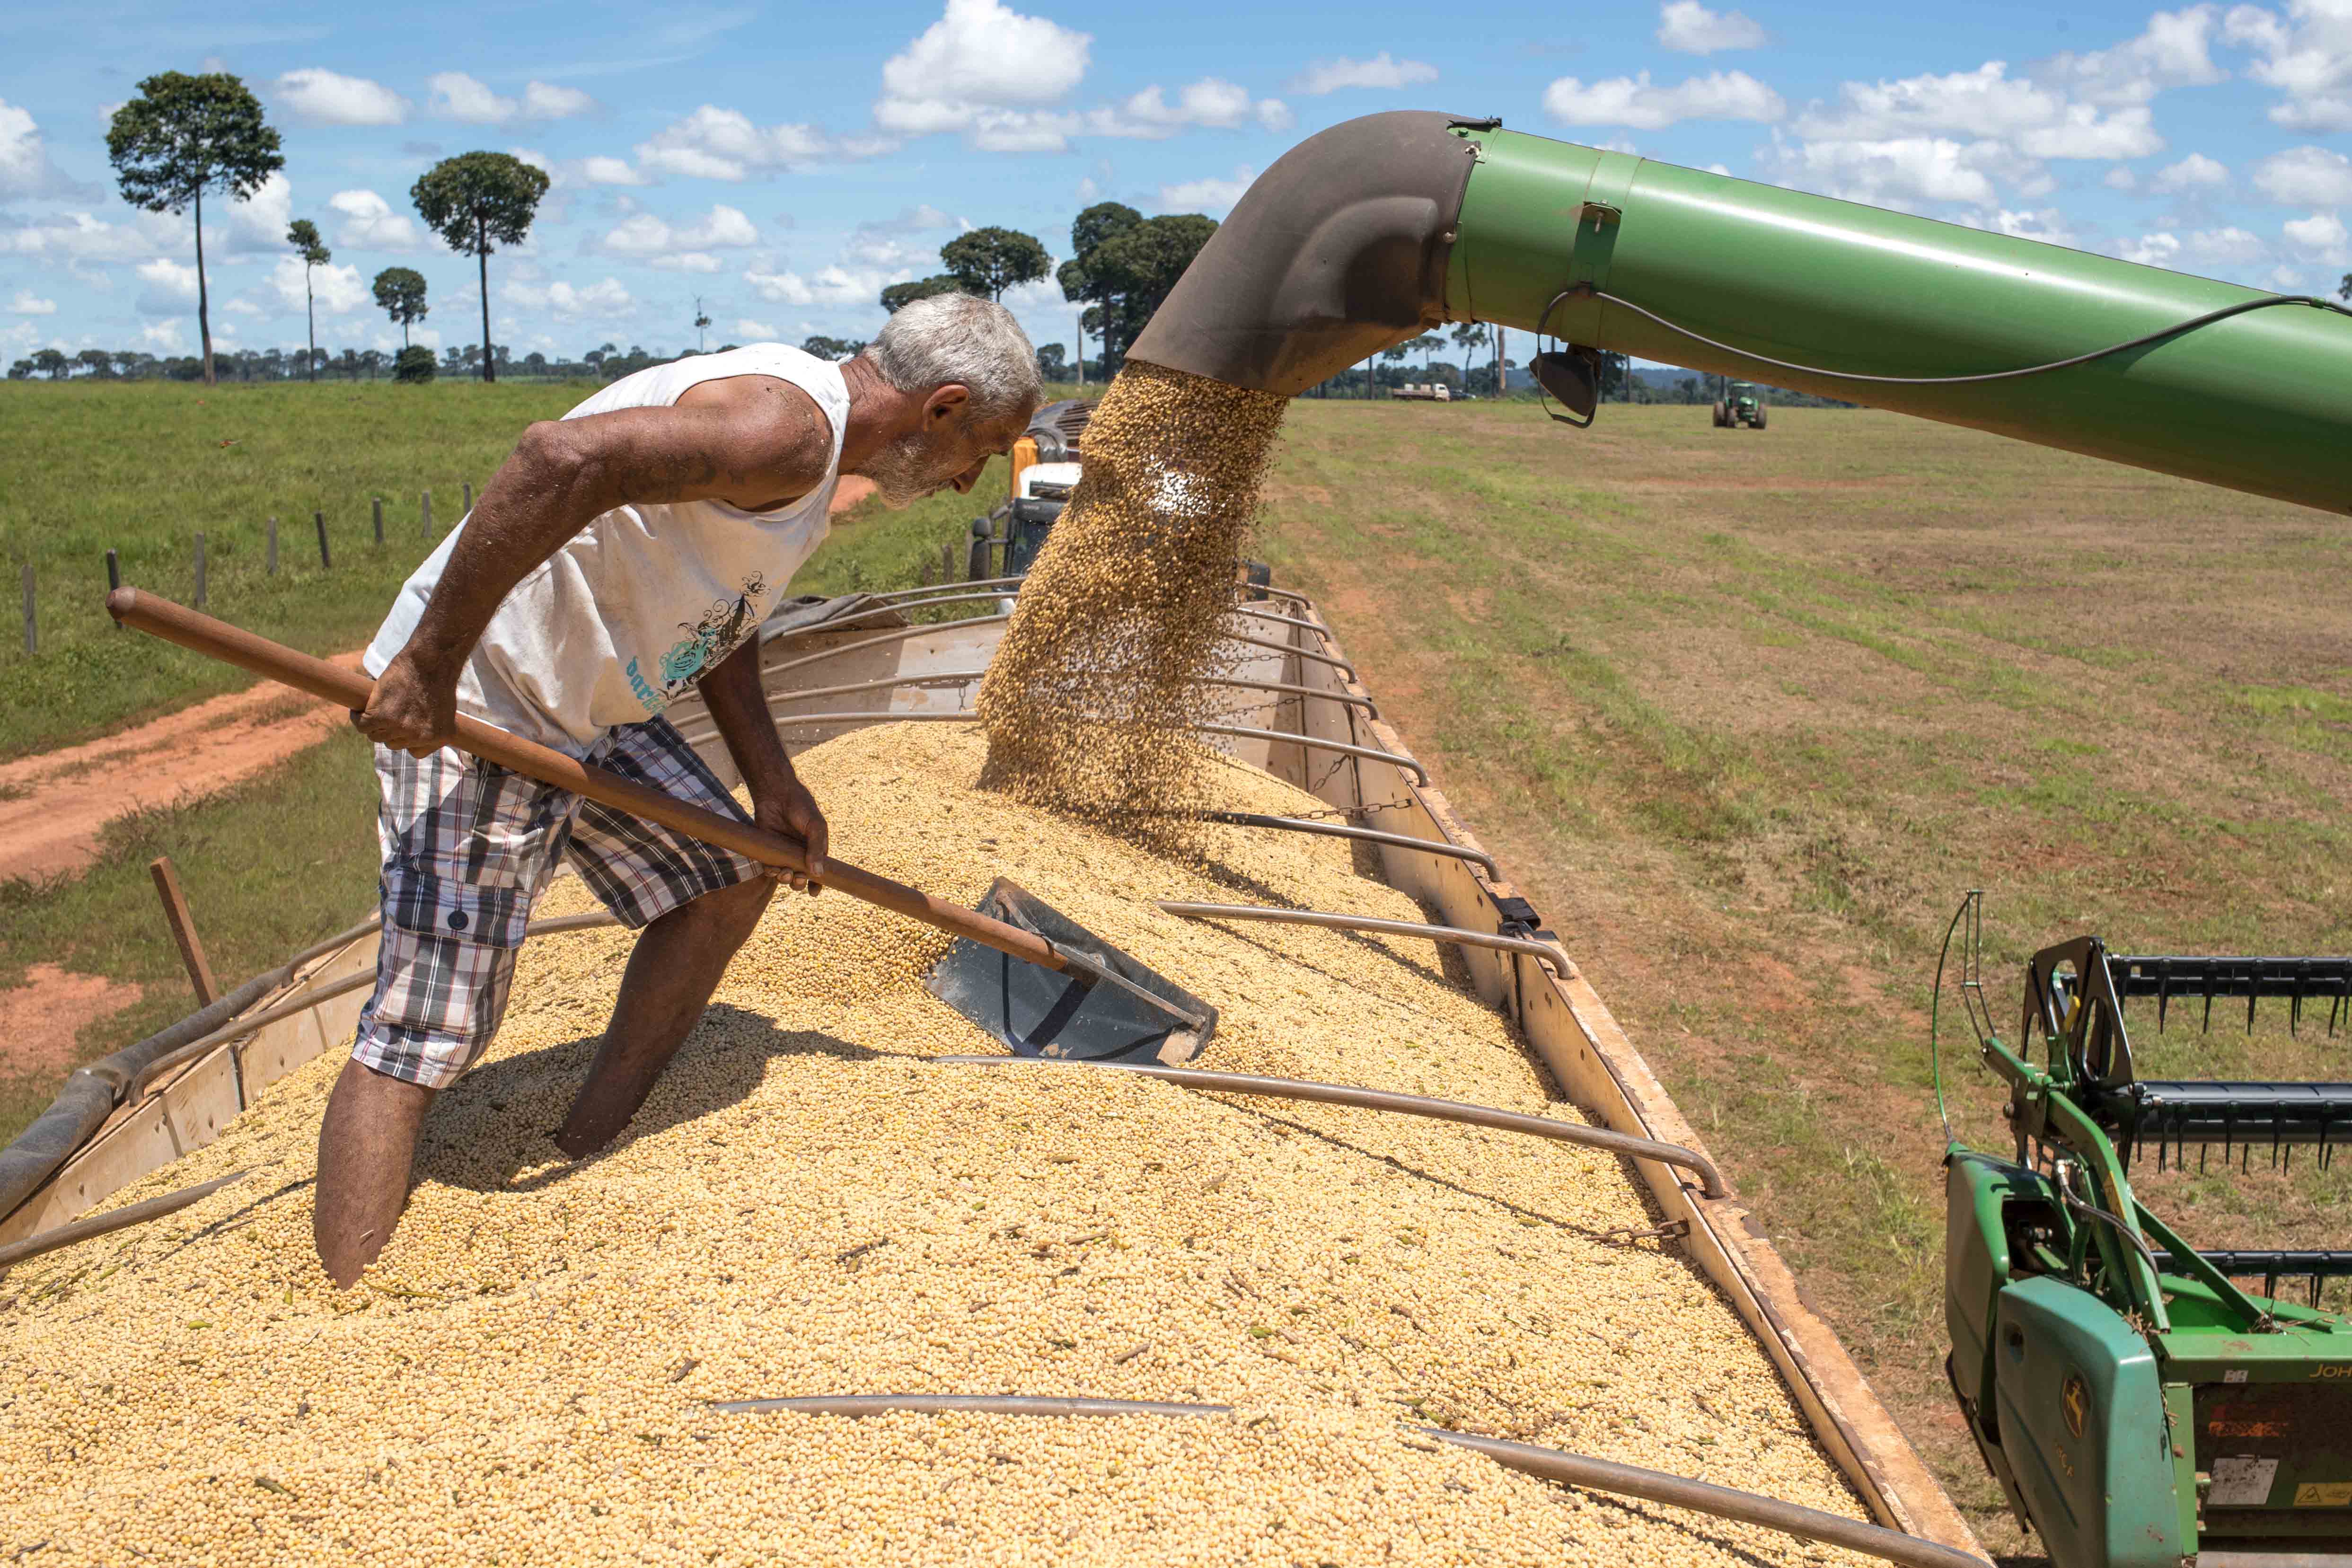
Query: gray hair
972	343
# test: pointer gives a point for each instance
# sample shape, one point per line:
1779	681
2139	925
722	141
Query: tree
535	362
988	261
51	363
184	135
476	202
98	361
20	370
369	360
414	365
400	294
834	349
902	294
1125	266
303	236
1052	364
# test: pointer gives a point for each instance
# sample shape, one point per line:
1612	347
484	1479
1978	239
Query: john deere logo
2075	1398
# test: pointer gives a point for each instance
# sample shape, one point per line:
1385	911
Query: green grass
142	467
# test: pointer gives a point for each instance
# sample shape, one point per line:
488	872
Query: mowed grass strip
1747	711
142	467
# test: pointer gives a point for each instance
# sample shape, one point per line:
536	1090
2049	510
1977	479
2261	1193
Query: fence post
200	572
379	520
273	547
428	511
113	580
469	496
325	562
32	630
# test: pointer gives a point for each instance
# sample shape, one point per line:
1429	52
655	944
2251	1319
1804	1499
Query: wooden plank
186	1116
183	930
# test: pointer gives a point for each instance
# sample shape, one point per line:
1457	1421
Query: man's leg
366	1147
676	966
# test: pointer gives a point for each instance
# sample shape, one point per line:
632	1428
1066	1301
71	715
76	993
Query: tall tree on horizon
400	294
184	135
988	261
303	236
476	202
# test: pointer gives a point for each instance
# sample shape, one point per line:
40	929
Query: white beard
905	471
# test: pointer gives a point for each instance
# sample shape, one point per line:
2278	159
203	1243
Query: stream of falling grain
1088	700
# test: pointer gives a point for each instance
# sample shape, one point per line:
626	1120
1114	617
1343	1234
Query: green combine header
2138	1402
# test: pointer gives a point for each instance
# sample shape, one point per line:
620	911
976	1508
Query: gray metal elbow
1337	251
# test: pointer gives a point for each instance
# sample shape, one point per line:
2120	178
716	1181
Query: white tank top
647	599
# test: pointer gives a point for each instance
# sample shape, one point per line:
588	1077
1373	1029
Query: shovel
1035	980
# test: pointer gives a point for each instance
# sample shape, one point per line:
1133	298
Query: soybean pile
1088	700
808	1205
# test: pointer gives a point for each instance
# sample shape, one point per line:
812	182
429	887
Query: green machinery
2137	1404
1739	404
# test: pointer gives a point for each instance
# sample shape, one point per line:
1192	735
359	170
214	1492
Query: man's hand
411	709
784	806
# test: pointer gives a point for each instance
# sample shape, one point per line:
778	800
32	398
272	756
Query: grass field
1743	712
142	467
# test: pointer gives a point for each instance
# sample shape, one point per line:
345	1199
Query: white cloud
2306	177
171	287
1211	195
26	304
24	167
607	171
257	226
601	300
1985	102
984	69
828	285
715	144
2082	131
2120	178
337	290
1380	73
2306	55
244	306
1633	101
756	332
2196	171
2173	50
2320	237
687	261
545	100
164	336
457	96
1901	172
369	224
2224	248
324	98
2047	224
78	237
1213	102
1690	28
644	234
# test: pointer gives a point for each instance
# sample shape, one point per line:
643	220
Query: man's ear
945	403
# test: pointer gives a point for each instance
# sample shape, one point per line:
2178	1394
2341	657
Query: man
618	556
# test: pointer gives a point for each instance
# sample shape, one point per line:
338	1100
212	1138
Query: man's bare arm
779	800
750	441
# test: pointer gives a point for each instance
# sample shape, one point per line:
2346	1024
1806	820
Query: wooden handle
349	688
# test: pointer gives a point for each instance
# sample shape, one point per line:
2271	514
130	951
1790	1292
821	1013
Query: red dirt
53	806
39	1018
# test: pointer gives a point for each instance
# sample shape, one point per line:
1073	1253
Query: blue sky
785	162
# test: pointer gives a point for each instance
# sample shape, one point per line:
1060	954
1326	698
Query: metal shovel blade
1107	1007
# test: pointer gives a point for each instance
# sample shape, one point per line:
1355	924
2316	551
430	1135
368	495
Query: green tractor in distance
1739	405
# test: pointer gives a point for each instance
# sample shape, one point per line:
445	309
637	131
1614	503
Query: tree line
183	135
1122	266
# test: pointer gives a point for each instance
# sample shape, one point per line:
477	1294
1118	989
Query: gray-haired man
618	556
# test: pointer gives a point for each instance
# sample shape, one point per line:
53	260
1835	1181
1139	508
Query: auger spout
1376	230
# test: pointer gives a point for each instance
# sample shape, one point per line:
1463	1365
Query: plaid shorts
469	847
